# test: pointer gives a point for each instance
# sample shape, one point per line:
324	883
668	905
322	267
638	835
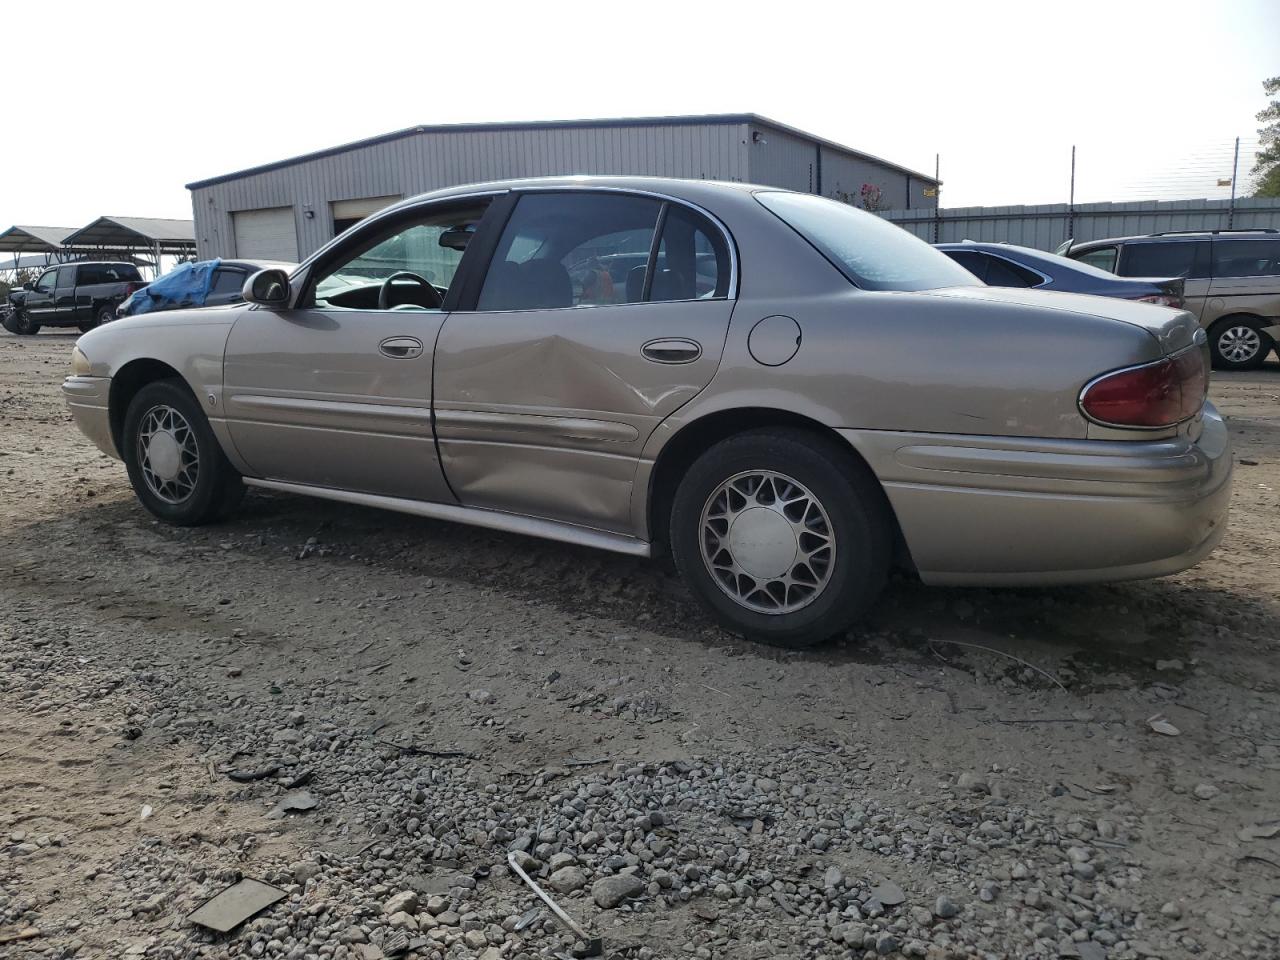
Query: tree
1267	169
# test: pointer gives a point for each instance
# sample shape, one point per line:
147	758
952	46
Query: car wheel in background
175	464
783	535
104	313
1238	343
20	322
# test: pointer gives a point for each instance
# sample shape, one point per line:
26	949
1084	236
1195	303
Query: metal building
288	209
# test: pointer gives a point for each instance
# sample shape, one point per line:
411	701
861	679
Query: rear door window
569	250
1172	258
1104	258
1246	258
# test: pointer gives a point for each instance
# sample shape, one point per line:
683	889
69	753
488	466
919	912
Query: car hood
1174	329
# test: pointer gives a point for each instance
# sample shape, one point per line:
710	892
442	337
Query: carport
137	235
36	242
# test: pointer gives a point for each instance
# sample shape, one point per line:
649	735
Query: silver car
790	395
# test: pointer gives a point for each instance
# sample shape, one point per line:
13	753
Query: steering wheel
384	292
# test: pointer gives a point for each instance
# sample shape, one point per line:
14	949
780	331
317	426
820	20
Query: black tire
1230	338
857	514
9	320
217	487
22	324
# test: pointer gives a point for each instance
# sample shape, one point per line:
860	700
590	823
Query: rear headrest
533	285
546	285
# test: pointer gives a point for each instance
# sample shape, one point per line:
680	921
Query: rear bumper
997	511
88	399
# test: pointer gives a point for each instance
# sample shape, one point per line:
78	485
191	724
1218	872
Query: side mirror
28	286
267	288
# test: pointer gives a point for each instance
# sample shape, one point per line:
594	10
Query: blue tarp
186	285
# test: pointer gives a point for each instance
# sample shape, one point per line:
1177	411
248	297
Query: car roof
1176	236
692	190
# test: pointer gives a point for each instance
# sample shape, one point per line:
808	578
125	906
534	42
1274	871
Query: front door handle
675	350
401	348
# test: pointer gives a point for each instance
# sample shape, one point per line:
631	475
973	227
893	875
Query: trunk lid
1173	329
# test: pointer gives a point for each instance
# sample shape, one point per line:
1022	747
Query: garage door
266	234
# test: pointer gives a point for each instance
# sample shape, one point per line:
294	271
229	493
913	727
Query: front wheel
1238	343
21	323
175	464
783	535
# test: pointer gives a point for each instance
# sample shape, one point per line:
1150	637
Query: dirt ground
135	657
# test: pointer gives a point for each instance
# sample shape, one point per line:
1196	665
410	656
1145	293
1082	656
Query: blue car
1006	265
201	283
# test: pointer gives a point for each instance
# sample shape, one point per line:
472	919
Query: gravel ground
974	774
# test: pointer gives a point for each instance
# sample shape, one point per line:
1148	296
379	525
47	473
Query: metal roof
21	239
170	235
703	120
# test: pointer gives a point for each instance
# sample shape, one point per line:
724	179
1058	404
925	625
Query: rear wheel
784	536
103	313
175	464
1238	343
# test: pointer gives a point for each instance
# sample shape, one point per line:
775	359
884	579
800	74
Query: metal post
937	196
1071	202
1235	168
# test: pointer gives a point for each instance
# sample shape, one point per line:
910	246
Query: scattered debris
1160	725
247	775
595	945
26	933
298	801
1259	831
236	904
147	810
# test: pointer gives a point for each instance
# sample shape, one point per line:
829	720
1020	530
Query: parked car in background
1006	265
82	294
792	398
203	283
1232	283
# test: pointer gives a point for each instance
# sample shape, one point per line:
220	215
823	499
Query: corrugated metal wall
428	161
1048	225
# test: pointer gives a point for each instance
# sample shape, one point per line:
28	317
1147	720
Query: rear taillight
1158	394
1162	299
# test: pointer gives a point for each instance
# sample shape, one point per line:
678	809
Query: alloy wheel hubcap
1239	344
168	455
767	542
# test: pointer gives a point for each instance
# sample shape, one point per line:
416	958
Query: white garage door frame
269	233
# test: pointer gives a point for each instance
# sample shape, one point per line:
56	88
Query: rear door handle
401	348
674	350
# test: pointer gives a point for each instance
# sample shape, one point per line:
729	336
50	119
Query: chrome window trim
298	279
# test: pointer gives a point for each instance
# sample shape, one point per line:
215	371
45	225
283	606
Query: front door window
408	265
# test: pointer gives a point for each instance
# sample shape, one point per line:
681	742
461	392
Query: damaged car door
335	390
600	314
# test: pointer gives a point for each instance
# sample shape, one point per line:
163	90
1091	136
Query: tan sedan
790	395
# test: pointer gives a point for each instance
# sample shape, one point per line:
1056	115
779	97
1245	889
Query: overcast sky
123	103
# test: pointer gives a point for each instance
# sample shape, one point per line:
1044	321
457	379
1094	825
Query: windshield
872	253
